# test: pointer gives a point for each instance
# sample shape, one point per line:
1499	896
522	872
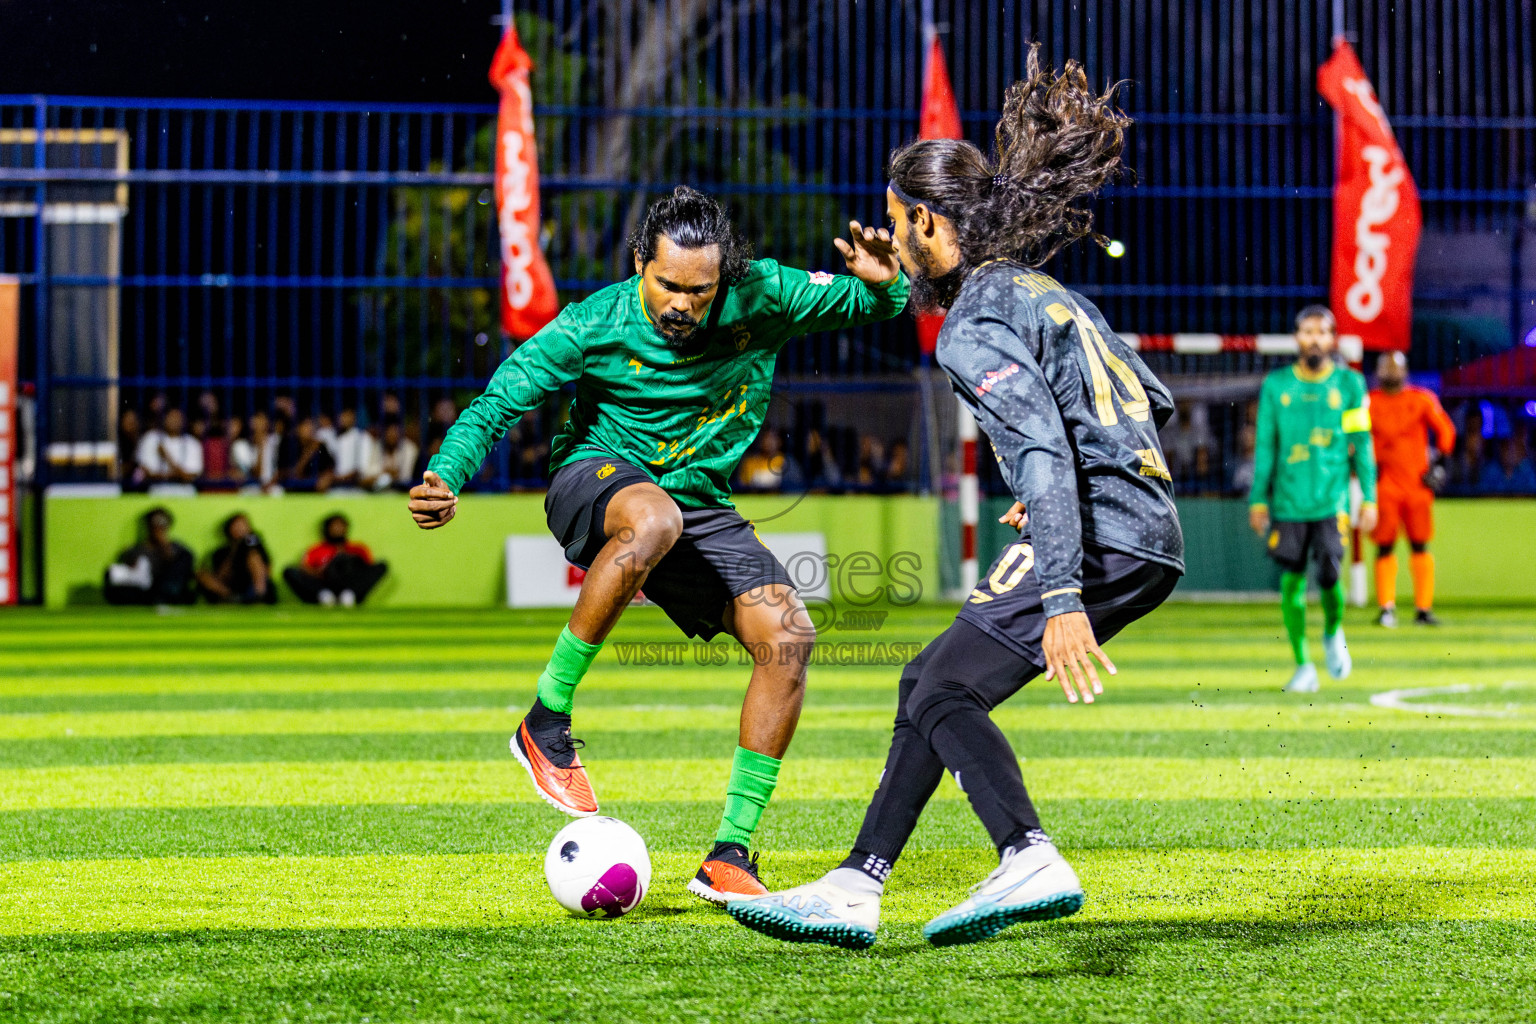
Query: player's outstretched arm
869	254
874	289
432	504
539	367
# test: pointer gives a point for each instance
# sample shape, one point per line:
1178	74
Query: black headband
910	200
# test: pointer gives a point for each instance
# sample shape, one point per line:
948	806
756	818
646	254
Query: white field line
1398	700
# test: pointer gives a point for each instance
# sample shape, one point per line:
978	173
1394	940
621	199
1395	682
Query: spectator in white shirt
397	459
169	454
356	452
325	430
254	456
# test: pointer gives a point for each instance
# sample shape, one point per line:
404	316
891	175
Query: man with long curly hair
673	370
1073	415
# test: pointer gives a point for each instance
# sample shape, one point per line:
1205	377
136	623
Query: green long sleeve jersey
1310	432
684	416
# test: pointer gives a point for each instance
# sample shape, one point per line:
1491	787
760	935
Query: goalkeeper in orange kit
1402	416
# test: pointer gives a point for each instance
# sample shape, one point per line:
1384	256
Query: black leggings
943	720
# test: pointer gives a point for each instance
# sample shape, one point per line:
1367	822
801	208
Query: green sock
1293	610
1333	608
569	662
753	777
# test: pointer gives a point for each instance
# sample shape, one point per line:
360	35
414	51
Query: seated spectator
530	448
284	410
1186	437
218	439
169	454
397	459
1242	472
325	430
305	463
1511	472
355	451
821	469
239	572
871	462
336	570
763	466
898	468
1465	467
219	451
156	570
254	456
128	437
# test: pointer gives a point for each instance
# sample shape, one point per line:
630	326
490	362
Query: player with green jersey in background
1314	426
673	371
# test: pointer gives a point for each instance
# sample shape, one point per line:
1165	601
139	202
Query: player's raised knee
654	527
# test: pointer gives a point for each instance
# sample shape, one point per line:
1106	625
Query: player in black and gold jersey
1073	414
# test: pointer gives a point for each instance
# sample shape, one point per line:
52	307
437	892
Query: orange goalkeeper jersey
1400	426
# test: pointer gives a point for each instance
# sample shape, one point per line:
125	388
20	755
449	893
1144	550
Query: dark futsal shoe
727	874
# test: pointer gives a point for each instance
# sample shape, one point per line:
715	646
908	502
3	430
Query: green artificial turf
296	815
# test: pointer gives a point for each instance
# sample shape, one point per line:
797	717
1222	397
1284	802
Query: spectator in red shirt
336	570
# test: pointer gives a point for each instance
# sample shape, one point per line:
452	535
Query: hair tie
999	180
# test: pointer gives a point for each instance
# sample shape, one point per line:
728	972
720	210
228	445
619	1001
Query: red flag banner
528	299
940	119
1375	212
10	513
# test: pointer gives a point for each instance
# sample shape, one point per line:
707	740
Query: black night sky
371	50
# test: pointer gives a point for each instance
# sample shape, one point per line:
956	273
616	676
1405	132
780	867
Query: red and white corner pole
970	497
1358	588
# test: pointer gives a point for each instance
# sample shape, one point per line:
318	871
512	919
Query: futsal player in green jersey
1314	425
673	370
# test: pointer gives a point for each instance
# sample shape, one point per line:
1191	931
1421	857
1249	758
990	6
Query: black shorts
1290	545
717	559
1118	589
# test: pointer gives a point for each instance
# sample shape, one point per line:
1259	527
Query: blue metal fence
337	253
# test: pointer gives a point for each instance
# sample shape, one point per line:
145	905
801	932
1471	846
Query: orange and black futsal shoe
727	874
543	745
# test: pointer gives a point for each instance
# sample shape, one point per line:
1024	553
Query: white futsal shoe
1339	661
1304	680
818	912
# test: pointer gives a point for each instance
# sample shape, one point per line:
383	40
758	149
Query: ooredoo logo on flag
528	299
1375	212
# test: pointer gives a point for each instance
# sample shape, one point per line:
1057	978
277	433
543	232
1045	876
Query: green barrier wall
1484	547
463	564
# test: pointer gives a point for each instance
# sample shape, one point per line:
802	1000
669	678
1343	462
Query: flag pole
924	361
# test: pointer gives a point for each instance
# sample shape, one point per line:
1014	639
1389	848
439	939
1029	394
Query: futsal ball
598	867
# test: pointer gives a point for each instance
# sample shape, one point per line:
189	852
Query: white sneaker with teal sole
1337	651
1304	680
817	912
1032	884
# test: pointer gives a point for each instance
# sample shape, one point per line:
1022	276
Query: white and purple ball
598	867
